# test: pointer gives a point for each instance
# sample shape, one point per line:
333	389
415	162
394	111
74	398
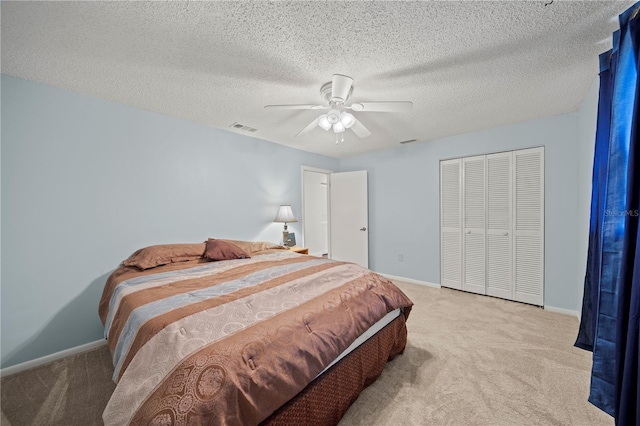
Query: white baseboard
554	309
411	280
562	311
49	358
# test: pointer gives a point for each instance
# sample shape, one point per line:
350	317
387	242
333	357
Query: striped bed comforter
230	342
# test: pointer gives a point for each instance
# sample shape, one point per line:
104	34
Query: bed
249	334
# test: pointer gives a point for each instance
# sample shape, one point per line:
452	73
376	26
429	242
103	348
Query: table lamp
285	215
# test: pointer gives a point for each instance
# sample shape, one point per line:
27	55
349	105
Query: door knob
363	229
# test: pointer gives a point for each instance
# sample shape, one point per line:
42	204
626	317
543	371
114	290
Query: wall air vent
409	141
239	126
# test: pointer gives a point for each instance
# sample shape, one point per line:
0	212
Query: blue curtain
586	333
610	313
627	403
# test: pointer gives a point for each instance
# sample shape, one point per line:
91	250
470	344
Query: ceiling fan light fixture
324	122
333	116
347	119
335	93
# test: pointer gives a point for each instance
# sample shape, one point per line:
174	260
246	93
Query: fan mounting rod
326	91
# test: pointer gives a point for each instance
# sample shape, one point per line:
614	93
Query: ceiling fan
336	93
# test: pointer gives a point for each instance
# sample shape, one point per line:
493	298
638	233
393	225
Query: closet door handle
505	233
468	232
363	228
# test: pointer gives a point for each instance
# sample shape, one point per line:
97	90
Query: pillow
152	256
223	250
255	246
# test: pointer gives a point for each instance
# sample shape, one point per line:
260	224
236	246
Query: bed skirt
325	400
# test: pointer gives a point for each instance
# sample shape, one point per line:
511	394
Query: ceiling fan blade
296	107
340	88
392	106
359	129
309	128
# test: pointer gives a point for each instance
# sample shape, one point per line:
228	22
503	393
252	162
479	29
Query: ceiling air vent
239	126
409	141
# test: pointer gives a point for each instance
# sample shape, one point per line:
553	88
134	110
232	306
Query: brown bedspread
230	342
325	400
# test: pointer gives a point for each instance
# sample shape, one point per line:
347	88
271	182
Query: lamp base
288	239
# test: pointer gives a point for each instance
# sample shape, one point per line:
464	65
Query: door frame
328	173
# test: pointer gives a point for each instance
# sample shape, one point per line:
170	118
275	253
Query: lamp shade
347	119
333	116
324	122
285	214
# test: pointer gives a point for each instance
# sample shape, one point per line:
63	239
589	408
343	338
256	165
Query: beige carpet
470	360
477	360
71	391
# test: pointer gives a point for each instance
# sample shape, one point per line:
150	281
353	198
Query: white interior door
499	220
473	240
528	193
349	217
315	211
450	224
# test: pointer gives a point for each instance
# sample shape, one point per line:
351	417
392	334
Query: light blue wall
404	200
86	181
587	119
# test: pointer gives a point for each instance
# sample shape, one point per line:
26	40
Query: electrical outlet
400	258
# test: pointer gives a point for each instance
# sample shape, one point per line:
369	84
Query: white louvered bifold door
450	224
499	222
473	220
528	195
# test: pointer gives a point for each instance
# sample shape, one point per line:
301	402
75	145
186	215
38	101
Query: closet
492	224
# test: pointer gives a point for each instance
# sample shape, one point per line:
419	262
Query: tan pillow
152	256
223	250
255	246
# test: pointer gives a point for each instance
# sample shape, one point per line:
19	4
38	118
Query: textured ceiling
465	65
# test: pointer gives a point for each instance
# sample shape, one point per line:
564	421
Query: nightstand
301	250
